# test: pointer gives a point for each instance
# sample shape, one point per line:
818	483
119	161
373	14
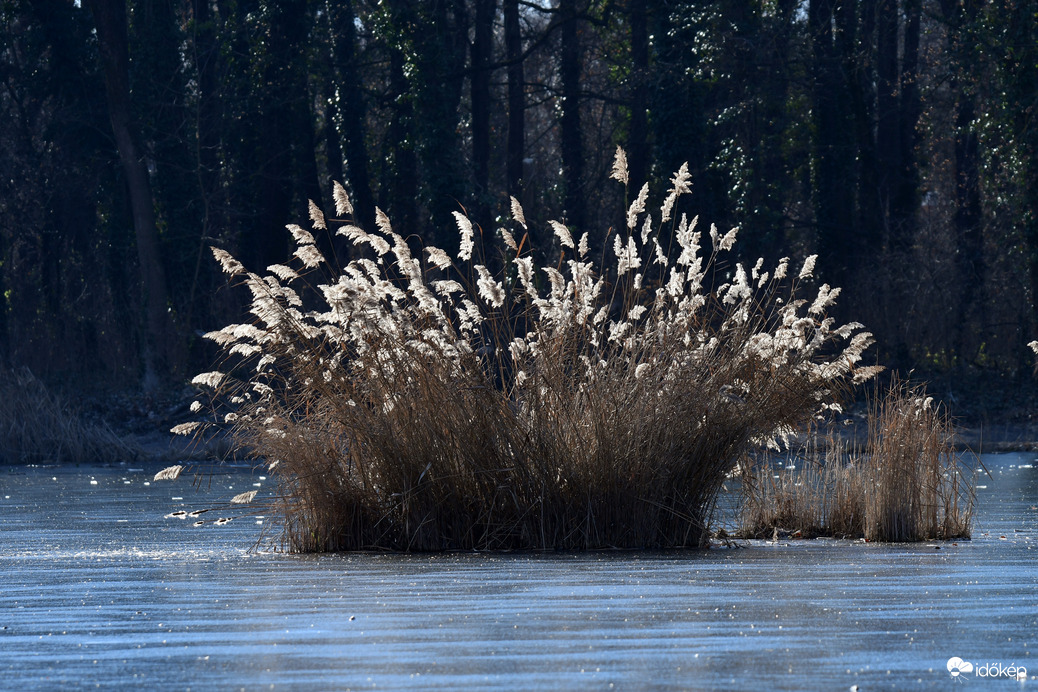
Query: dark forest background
897	139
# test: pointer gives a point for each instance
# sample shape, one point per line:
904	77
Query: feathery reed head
169	473
444	406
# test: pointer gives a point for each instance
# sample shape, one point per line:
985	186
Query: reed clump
419	401
921	487
908	484
816	491
38	426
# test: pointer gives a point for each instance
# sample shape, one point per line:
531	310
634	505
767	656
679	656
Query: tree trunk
480	93
638	138
279	148
833	169
110	19
401	171
352	110
516	145
1019	70
906	193
854	43
208	129
969	256
888	129
330	85
571	133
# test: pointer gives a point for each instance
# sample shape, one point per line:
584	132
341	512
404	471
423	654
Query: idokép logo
956	666
960	670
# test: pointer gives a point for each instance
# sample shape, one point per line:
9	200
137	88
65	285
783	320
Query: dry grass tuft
817	492
169	473
909	484
244	498
422	402
37	426
921	489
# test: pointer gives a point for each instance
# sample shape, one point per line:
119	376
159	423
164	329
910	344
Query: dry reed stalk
430	405
908	484
920	488
812	492
844	497
38	426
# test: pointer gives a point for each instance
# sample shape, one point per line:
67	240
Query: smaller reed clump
908	484
816	492
38	426
419	401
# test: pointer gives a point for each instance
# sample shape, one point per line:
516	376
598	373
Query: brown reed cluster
907	484
418	401
38	426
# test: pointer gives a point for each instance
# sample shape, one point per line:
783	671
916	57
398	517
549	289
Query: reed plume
907	484
418	401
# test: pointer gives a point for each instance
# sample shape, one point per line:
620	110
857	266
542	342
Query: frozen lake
99	588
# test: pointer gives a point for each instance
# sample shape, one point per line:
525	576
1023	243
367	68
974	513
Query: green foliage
243	107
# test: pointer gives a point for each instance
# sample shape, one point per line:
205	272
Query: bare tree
110	20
